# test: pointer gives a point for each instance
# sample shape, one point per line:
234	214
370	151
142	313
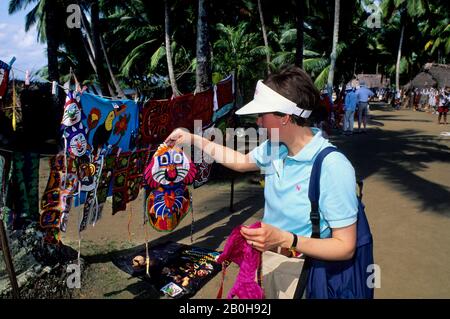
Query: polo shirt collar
307	153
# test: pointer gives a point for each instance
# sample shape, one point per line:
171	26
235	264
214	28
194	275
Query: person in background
363	95
443	108
349	109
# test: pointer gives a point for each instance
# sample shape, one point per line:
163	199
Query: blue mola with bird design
110	123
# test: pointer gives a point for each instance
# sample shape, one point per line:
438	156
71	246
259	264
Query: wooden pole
232	195
8	261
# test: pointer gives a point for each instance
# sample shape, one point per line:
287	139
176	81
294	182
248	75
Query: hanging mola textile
74	132
4	76
168	201
57	198
112	129
128	178
223	106
112	124
160	117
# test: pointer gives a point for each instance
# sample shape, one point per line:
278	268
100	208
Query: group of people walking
432	100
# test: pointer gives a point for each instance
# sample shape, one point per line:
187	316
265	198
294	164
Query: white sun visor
267	100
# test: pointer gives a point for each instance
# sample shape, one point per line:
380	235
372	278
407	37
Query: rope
147	255
97	180
45	80
192	220
79	232
61	86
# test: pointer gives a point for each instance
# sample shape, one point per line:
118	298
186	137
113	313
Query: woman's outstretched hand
179	137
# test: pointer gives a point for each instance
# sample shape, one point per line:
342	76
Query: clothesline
61	86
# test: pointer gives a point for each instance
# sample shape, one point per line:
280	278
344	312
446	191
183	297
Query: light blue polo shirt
287	205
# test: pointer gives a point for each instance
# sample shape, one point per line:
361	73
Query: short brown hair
296	85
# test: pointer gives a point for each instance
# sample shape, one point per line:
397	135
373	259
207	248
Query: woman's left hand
265	237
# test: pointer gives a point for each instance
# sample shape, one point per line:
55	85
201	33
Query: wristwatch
294	244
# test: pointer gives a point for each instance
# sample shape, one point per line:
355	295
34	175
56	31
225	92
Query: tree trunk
399	57
52	42
333	50
95	25
172	79
119	90
263	28
203	72
299	6
87	40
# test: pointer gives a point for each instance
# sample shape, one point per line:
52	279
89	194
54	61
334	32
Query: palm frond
322	78
156	57
134	55
288	36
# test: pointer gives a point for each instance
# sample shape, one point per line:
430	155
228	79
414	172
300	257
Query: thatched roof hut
373	80
423	80
433	75
440	72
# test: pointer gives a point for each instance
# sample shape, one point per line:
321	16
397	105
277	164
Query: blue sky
14	41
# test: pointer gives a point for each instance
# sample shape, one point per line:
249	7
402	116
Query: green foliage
133	33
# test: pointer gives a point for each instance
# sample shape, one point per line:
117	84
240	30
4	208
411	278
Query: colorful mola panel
112	124
4	76
160	117
167	175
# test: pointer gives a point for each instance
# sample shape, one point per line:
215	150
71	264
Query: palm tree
98	54
333	50
263	28
399	56
437	31
299	8
143	31
45	15
173	82
237	51
203	70
407	10
315	63
440	40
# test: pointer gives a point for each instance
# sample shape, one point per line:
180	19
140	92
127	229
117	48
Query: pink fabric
237	250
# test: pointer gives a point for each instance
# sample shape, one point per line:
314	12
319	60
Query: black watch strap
294	242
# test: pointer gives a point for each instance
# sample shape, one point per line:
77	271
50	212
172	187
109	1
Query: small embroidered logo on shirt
298	187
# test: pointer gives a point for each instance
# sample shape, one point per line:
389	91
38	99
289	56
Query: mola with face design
72	114
169	166
168	174
76	139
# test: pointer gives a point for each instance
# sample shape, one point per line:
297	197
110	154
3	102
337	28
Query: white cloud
29	53
24	39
